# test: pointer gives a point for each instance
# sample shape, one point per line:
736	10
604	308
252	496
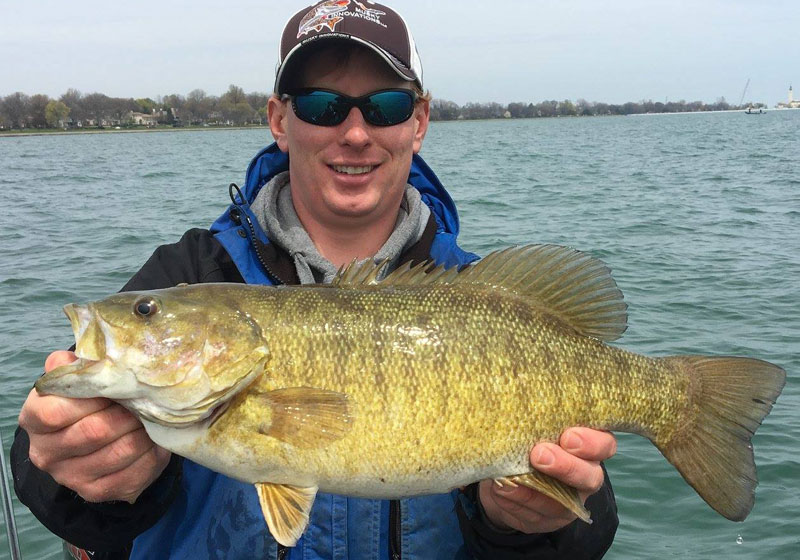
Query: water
698	215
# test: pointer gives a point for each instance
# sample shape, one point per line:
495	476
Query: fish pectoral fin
307	417
286	509
565	495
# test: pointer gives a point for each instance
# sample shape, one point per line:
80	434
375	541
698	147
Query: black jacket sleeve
111	527
576	541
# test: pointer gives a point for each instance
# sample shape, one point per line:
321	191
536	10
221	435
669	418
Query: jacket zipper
261	258
395	531
236	215
282	552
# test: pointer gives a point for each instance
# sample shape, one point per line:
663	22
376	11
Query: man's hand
575	461
93	446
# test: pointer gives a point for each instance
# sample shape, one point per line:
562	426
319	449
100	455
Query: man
348	117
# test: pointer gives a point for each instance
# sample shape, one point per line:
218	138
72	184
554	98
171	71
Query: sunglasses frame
360	102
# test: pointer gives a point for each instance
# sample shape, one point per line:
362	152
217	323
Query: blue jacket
214	516
191	512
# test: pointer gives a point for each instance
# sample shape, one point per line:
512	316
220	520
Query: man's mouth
352	169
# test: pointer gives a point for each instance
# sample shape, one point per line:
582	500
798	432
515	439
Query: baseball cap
373	25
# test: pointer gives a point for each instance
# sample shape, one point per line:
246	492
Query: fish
419	382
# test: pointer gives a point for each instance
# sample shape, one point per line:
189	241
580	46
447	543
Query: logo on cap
329	14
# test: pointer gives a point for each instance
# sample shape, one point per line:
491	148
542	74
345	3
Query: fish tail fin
730	397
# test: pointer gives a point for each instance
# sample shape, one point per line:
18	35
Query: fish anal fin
307	417
286	509
565	495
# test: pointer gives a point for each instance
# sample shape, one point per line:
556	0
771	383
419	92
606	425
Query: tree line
74	109
443	110
235	107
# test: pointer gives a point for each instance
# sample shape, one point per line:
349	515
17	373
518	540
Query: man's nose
356	129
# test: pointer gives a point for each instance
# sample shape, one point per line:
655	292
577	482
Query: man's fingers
585	476
88	434
522	499
59	358
104	484
128	484
523	509
575	462
119	454
592	445
43	414
47	414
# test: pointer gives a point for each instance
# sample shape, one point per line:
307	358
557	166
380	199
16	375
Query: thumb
59	358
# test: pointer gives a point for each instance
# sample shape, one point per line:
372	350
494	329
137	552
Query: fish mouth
90	348
60	381
90	338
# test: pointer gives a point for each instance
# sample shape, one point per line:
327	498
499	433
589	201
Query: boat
758	110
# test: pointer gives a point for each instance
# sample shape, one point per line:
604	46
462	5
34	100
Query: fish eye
145	307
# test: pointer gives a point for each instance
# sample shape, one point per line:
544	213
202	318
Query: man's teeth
350	170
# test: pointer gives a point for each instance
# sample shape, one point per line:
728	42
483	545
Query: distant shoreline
265	127
709	112
130	131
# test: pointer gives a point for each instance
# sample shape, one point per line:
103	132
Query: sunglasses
323	107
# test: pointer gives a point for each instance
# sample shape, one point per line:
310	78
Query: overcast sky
611	51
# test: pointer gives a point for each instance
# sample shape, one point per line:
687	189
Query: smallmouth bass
425	381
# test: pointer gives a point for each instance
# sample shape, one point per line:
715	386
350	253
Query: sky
472	51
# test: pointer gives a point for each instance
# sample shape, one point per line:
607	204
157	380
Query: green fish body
425	381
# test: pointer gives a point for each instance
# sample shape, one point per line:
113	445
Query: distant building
790	102
142	119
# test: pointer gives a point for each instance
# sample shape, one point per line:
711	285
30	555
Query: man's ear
277	115
422	115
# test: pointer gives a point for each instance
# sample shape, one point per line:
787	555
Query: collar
281	264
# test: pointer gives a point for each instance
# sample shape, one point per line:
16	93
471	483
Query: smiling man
348	167
342	181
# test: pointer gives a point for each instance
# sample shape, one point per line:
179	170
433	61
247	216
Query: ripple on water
159	174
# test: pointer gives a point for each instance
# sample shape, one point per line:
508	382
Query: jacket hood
271	160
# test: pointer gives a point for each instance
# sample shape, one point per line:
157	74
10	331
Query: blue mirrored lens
327	108
388	107
319	107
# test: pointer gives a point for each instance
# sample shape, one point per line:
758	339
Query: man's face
354	174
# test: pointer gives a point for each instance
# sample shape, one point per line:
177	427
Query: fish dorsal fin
368	272
286	509
356	273
307	417
574	287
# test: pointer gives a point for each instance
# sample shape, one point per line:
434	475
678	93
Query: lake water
698	215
